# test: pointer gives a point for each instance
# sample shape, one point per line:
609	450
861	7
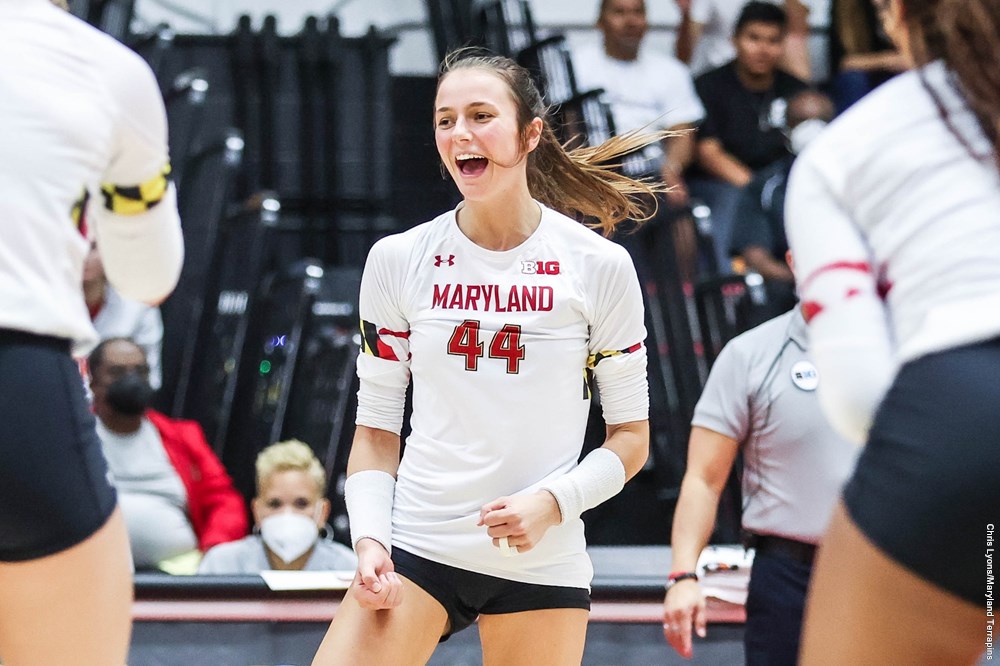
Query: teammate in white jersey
502	312
81	115
893	214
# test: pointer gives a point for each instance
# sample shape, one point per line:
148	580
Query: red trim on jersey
95	310
634	348
396	334
810	309
386	352
862	266
851	293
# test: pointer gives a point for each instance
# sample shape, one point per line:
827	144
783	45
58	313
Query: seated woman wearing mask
289	510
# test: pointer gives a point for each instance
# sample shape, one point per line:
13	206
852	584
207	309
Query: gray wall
406	19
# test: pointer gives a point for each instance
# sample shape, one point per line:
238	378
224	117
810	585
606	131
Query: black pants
775	604
54	487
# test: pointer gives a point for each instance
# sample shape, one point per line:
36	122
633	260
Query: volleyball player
81	115
894	218
501	311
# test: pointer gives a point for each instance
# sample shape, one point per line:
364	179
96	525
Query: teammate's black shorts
54	488
928	482
466	594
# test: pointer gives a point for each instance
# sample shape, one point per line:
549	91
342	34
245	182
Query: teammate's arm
136	221
850	340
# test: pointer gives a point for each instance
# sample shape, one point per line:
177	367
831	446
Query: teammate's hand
522	519
683	607
376	585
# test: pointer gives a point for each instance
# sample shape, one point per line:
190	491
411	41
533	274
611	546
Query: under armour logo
439	260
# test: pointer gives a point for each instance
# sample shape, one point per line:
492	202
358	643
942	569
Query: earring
444	172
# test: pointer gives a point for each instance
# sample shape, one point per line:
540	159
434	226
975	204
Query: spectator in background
289	511
646	90
745	102
175	494
704	37
861	55
758	236
116	317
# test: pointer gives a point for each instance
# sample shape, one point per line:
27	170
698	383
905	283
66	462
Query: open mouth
471	164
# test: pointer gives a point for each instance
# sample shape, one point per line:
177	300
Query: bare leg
403	635
864	608
553	637
74	607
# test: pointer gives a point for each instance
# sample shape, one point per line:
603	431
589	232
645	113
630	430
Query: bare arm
374	449
760	260
678	151
688	33
890	61
630	441
796	58
680	148
376	585
710	460
718	162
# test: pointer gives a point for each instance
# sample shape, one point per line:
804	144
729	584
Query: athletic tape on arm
369	495
599	477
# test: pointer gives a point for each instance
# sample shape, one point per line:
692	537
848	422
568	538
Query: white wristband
368	495
599	477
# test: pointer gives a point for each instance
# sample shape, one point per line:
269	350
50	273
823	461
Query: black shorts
928	482
54	487
466	594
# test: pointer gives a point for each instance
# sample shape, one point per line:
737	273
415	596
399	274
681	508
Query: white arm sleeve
617	341
136	222
384	362
850	340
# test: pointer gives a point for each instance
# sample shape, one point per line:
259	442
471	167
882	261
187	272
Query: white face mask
803	134
289	535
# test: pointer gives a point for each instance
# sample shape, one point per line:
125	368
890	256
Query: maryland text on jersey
492	298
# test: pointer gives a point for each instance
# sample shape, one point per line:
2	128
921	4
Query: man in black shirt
758	233
745	102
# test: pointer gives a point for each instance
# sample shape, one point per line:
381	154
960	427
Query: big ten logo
540	267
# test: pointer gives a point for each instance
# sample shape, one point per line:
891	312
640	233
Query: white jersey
501	346
80	113
895	229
